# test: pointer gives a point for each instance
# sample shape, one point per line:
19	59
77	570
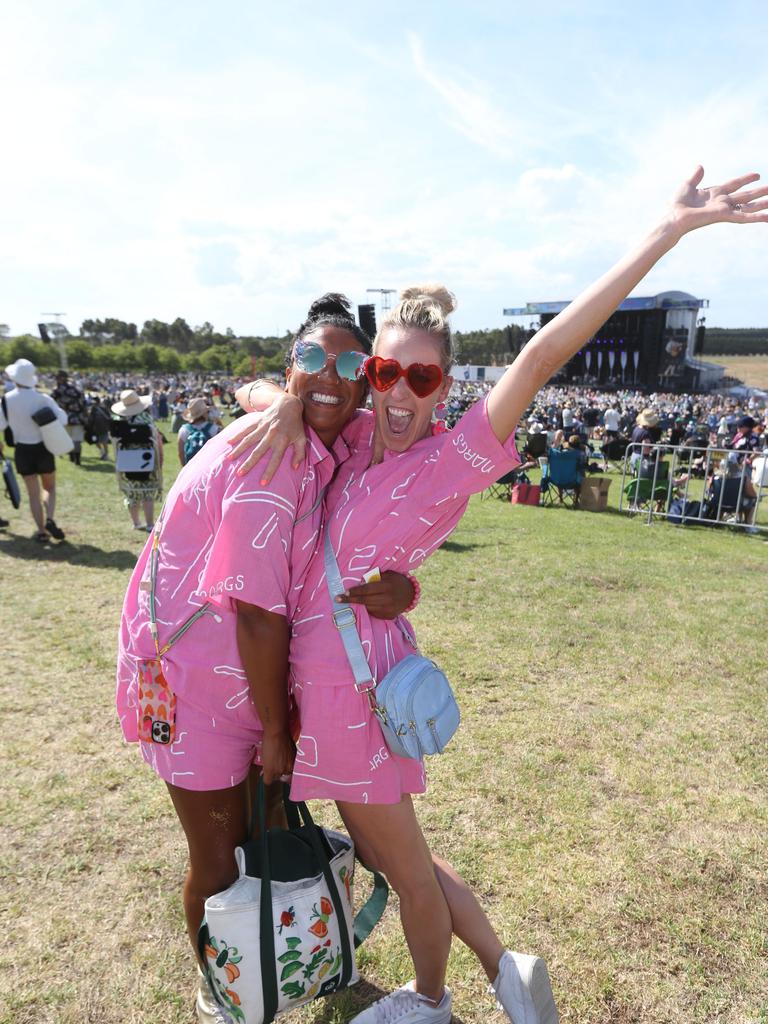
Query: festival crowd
138	413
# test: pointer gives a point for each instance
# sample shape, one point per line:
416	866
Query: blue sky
230	161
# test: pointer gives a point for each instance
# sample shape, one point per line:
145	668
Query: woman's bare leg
388	837
214	823
35	501
470	923
49	494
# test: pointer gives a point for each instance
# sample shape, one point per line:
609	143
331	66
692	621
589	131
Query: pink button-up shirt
391	516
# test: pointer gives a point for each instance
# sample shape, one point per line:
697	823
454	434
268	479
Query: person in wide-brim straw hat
196	410
131	403
133	428
648	418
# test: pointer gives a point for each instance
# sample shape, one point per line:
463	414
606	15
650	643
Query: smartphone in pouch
157	704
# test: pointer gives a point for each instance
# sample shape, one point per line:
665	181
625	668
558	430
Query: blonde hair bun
437	294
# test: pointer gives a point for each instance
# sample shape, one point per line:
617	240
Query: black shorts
32	459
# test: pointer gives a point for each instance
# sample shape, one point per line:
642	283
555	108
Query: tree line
169	348
738	341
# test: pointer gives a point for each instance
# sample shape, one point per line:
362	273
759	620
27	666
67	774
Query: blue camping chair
561	477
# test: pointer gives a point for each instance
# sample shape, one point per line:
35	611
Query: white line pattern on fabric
360	561
203	549
238	699
229	670
267	497
179	738
309	756
403	487
335	782
309	618
261	539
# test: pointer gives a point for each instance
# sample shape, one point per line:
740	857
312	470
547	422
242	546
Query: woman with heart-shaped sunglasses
392	509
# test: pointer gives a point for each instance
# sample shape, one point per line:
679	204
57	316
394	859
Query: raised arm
562	337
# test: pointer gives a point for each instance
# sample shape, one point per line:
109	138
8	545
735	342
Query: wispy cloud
471	109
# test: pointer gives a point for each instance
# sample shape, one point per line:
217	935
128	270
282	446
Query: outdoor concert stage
650	343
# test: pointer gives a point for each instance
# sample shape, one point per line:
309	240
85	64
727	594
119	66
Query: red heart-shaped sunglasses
421	378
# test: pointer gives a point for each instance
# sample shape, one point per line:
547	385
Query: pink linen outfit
223	538
391	516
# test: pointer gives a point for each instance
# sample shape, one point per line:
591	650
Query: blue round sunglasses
312	358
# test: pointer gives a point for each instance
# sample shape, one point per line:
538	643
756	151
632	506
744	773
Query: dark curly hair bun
331	304
332	309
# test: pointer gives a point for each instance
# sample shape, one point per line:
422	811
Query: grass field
605	796
752	370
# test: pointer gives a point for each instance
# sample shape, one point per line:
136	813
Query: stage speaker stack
366	316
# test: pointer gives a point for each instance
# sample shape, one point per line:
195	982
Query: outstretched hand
693	207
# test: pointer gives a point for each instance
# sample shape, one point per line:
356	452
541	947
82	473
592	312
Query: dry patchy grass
605	795
753	370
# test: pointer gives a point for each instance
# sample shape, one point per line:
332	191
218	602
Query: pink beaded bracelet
416	593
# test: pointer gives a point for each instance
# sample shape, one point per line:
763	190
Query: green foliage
740	341
149	356
80	355
191	362
180	335
491	347
25	346
117	357
217	357
155	332
111	329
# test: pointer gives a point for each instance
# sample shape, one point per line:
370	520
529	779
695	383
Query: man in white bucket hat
34	463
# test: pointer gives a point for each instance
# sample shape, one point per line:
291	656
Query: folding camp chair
722	499
613	453
642	492
561	477
501	488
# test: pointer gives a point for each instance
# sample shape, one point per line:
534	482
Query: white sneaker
208	1010
523	990
406	1006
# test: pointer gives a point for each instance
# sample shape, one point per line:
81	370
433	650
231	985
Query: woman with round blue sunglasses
313	358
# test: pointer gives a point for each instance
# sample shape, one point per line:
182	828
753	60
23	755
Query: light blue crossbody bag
413	702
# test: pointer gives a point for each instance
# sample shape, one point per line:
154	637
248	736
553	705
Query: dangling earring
439	426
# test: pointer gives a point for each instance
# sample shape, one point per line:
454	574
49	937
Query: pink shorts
341	753
210	751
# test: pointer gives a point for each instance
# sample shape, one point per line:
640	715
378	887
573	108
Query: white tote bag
55	437
283	933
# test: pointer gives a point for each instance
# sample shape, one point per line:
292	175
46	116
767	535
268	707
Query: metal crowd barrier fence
662	472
